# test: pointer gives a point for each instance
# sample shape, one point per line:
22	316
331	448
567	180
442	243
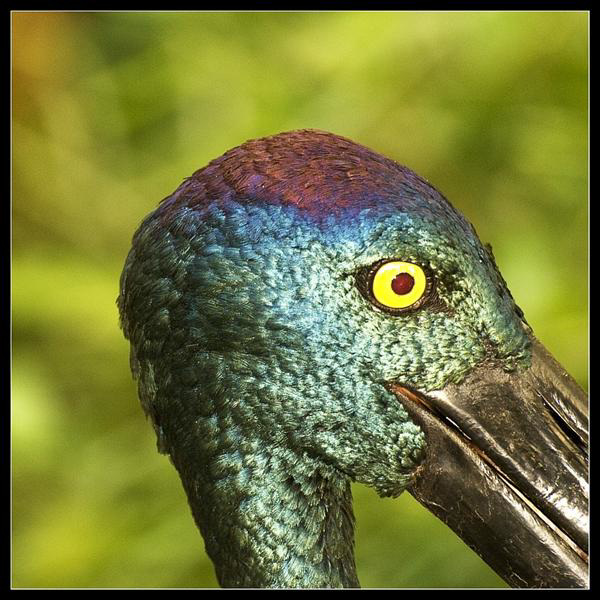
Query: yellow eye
399	284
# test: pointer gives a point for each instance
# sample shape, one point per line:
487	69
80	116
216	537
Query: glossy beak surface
506	468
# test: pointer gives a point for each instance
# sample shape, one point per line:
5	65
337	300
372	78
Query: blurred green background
112	110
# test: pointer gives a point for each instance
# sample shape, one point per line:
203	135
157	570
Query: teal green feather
263	367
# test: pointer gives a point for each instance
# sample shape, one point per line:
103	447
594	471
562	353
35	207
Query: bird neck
272	519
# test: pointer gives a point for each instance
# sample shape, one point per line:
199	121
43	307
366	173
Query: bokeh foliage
112	110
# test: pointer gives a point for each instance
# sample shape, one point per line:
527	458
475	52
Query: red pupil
403	283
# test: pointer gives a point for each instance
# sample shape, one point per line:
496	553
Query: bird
303	313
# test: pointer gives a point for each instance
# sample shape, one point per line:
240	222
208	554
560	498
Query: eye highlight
399	285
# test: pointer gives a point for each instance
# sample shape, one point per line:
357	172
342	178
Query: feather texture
263	367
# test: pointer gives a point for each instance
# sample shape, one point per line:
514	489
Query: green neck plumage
270	518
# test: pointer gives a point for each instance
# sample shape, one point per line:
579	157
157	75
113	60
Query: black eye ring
378	276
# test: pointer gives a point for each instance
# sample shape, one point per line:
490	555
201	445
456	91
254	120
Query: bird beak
506	468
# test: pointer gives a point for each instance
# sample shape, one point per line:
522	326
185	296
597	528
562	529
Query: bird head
304	294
